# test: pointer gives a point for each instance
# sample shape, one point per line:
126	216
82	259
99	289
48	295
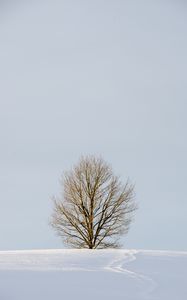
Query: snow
101	274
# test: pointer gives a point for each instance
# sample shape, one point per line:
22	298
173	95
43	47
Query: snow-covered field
93	274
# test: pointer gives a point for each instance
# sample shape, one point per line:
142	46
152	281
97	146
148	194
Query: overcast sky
93	77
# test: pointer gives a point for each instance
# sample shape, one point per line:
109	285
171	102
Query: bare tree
95	209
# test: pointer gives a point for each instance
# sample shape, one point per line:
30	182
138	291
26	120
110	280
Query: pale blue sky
93	77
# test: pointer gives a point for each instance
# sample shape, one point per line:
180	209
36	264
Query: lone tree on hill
95	209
